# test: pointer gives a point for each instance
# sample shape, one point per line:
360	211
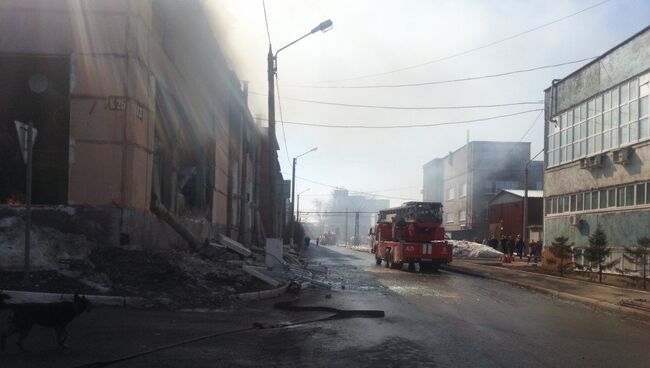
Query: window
594	200
603	199
462	215
463	190
614	118
620	191
640	194
579	206
549	205
629	195
450	218
611	197
451	194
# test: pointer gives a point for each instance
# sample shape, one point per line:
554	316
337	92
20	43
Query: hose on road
289	306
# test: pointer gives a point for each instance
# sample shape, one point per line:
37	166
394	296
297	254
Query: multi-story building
465	180
353	213
134	101
597	141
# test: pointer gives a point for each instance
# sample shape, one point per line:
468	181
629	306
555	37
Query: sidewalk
602	296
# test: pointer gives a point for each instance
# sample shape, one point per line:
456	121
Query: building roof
520	193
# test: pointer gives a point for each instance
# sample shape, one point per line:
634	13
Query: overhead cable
446	81
468	51
458	107
405	126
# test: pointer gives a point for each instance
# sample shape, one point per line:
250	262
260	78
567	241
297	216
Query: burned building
134	104
466	180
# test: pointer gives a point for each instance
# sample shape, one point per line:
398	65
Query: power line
468	51
352	191
446	81
408	107
284	135
424	125
266	20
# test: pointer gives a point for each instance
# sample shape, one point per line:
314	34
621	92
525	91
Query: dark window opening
46	104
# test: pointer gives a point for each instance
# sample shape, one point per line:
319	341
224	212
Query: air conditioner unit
622	156
584	163
574	220
595	161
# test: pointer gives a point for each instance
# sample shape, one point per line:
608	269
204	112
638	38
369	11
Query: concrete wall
625	61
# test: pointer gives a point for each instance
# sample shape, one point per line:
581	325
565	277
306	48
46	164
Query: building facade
466	180
134	102
597	141
506	214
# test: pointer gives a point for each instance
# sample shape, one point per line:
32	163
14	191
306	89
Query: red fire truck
411	234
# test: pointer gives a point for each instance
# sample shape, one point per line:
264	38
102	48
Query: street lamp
271	68
298	205
293	191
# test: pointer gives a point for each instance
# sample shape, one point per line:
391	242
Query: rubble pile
49	247
468	249
63	262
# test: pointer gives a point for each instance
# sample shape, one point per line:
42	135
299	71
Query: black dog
53	315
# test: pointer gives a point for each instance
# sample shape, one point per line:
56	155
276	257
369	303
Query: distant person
520	247
307	241
531	250
510	246
317	240
538	251
494	243
503	244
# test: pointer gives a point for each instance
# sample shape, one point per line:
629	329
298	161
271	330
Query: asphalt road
432	320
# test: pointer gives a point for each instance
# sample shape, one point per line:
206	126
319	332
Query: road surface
432	320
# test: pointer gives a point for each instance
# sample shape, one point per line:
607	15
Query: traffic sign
22	129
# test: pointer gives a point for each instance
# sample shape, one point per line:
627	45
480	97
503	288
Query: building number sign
117	103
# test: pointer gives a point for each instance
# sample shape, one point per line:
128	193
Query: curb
263	294
558	294
114	301
578	280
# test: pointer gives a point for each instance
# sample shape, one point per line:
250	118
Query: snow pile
468	249
48	246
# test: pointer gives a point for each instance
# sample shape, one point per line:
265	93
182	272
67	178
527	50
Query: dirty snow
468	249
48	246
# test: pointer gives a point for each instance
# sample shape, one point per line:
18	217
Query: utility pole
356	228
28	203
293	194
346	226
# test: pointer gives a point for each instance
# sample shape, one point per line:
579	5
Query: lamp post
298	205
271	68
293	192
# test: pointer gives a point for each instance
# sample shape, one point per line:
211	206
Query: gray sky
375	36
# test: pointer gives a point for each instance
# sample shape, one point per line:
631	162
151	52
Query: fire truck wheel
378	260
411	267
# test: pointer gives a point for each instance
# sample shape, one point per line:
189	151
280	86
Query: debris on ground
468	249
64	263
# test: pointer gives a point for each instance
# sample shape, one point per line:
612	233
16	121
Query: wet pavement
432	320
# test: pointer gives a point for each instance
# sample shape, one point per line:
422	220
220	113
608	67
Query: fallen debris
235	246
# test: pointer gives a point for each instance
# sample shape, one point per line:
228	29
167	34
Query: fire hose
288	306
